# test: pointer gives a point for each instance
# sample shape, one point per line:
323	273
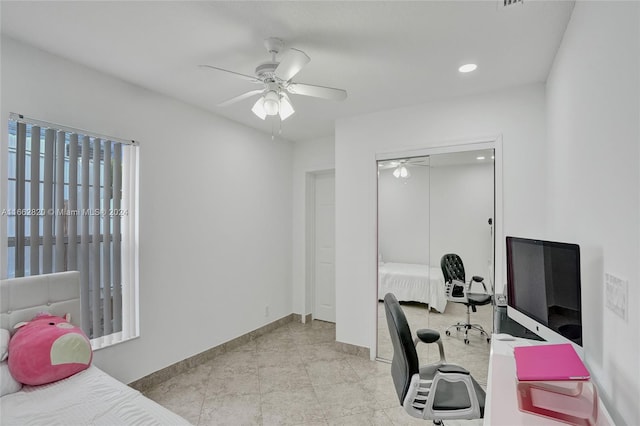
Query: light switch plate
616	295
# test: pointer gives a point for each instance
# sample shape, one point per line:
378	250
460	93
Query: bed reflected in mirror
427	207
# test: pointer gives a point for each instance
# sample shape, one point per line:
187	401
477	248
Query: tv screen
543	283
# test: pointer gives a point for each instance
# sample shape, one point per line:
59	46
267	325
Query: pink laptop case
549	362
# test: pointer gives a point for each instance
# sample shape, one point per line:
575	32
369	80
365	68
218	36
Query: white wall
593	115
215	207
308	157
403	216
461	205
517	114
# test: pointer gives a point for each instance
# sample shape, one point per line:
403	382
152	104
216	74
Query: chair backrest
452	267
405	358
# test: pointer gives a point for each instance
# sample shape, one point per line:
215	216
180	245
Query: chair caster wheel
448	333
466	341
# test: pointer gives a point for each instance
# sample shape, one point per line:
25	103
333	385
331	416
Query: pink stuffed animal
46	349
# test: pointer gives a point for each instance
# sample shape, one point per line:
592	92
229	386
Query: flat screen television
543	288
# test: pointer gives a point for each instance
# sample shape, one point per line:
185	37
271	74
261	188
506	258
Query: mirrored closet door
429	207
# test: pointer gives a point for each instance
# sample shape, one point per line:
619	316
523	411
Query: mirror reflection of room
403	232
429	207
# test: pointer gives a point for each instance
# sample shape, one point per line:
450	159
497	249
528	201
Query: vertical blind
73	206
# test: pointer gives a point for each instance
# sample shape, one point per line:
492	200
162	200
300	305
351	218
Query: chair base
468	326
459	326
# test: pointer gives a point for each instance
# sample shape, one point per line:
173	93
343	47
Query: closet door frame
480	143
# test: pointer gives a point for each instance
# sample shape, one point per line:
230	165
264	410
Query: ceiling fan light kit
401	172
286	109
276	78
258	109
271	103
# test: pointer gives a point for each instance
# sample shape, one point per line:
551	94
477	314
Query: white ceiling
385	54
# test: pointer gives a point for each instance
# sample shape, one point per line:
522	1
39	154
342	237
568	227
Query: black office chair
458	291
436	391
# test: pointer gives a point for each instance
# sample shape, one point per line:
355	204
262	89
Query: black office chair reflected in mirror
458	291
436	391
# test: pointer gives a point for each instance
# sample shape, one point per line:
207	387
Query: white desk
501	405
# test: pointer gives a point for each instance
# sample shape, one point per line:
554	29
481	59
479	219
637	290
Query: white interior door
324	264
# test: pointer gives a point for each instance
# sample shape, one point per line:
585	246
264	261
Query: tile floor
291	376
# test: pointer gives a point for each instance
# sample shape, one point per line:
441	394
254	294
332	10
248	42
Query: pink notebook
549	362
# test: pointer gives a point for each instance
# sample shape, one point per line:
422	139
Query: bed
411	282
90	397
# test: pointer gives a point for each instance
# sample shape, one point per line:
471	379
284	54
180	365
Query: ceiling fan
412	162
275	77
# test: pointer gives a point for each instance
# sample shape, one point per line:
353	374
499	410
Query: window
72	205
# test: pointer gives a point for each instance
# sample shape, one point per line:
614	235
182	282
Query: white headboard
22	298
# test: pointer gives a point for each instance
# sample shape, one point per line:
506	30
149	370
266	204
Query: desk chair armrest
476	279
421	396
453	368
426	335
467	289
449	287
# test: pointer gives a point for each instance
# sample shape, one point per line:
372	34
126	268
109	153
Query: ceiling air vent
512	2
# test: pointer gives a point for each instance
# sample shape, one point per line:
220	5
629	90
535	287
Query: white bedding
413	283
90	397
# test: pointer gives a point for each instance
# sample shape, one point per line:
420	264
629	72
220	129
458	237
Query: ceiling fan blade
241	97
317	91
237	74
291	63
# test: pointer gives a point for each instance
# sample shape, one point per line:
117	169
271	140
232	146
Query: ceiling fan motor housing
266	71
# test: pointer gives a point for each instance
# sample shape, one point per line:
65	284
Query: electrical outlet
617	295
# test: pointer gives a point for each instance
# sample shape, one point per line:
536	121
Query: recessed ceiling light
493	157
468	68
480	158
